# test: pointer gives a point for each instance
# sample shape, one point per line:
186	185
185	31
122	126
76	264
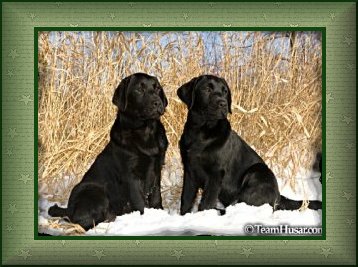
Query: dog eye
209	87
140	90
224	90
142	86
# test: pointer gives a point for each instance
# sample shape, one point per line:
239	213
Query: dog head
140	95
207	94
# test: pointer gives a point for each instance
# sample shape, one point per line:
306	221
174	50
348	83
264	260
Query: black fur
216	159
126	175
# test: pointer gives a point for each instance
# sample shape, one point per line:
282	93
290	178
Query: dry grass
276	96
66	228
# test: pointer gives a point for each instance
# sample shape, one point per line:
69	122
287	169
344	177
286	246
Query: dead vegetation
276	86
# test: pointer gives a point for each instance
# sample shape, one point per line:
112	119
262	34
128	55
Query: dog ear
120	94
162	94
163	97
186	92
228	96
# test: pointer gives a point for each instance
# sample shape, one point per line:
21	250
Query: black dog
126	175
216	159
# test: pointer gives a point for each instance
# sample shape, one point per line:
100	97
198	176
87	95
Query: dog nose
156	103
221	104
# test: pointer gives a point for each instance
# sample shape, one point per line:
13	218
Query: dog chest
149	141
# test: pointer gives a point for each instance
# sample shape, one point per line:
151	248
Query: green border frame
127	29
191	1
339	19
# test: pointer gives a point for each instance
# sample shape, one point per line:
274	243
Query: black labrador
216	159
126	175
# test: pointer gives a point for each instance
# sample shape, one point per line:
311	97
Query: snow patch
168	222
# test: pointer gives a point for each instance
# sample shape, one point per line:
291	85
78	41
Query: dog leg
210	194
155	198
136	195
188	195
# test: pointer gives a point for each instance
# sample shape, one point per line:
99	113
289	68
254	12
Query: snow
168	222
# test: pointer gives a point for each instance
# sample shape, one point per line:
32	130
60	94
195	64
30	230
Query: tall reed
275	81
